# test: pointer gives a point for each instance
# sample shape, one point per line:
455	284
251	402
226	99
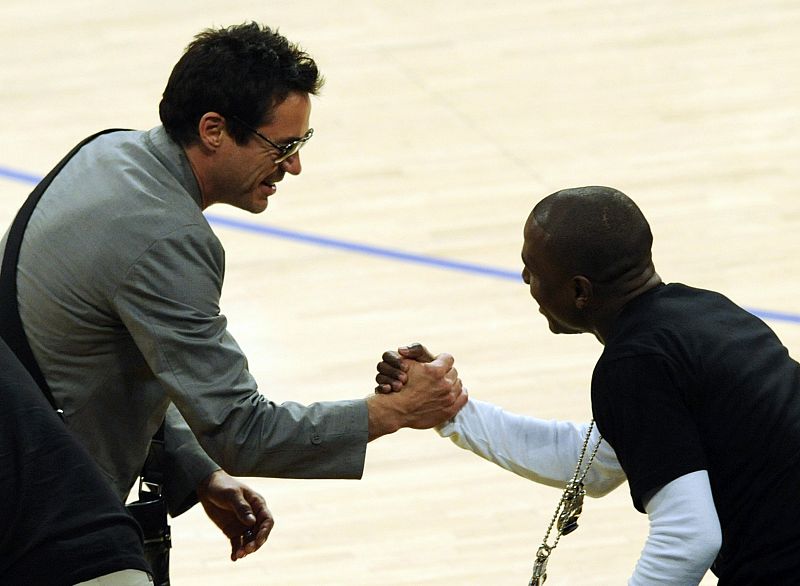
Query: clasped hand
431	386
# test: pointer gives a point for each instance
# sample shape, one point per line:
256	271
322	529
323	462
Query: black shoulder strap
10	323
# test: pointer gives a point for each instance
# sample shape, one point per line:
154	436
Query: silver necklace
569	508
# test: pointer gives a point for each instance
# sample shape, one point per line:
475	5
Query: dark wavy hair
243	71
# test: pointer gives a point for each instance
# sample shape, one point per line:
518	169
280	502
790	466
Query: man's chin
259	203
255	205
559	328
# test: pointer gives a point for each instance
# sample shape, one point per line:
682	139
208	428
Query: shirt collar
174	159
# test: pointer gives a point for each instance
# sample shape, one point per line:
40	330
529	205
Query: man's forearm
544	451
685	534
187	463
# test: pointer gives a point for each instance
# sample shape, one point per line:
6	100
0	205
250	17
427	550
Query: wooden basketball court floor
441	124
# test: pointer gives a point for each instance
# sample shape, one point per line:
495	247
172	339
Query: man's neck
197	161
617	301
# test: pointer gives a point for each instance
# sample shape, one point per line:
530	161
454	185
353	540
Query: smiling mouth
270	187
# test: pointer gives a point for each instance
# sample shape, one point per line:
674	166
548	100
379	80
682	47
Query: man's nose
292	165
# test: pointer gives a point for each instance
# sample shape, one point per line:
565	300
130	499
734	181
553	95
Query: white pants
122	578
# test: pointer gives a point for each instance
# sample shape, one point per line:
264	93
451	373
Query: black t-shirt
689	381
60	522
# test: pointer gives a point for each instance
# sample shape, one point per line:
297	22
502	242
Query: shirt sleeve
186	461
169	302
540	450
685	534
640	408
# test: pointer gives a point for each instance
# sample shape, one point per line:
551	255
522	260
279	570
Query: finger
243	544
236	500
393	359
244	512
442	364
263	534
258	506
240	544
237	551
390	383
451	376
388	389
265	521
257	537
417	352
393	372
250	542
462	400
264	517
239	548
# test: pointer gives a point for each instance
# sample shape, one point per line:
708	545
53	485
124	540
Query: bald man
697	400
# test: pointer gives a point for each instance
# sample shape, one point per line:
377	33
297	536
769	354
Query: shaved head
598	232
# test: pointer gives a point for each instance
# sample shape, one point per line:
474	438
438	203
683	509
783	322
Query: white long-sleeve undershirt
545	451
684	535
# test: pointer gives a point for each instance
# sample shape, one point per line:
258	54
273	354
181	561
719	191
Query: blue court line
323	241
365	248
20	176
774	315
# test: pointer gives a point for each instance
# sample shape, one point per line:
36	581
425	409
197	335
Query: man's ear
211	129
583	291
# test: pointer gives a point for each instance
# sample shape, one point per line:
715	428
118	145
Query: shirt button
315	439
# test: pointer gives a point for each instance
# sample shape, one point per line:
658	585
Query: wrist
383	416
203	484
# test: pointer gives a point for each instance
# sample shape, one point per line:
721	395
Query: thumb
416	351
243	510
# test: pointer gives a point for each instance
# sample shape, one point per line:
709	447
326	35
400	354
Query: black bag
150	511
151	515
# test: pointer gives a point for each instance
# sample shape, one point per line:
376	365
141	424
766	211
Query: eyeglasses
284	150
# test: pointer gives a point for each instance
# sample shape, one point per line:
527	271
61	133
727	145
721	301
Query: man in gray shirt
119	280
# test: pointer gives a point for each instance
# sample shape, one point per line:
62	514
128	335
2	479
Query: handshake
415	389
